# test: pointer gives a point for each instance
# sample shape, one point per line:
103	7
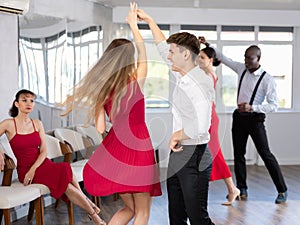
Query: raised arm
158	36
141	71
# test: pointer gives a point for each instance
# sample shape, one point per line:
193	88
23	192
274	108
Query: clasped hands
244	107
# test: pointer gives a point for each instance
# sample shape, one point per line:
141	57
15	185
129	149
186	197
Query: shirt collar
258	72
189	74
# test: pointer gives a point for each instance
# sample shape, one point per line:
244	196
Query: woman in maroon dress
27	140
124	162
220	169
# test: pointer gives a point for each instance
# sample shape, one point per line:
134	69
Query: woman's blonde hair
109	76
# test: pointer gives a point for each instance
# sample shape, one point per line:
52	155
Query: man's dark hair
256	48
187	40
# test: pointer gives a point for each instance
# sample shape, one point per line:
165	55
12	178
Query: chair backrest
108	126
90	132
53	147
5	146
74	138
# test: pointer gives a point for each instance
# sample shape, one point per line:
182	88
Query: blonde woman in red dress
220	170
124	162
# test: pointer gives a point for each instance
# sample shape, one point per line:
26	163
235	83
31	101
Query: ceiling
34	20
214	4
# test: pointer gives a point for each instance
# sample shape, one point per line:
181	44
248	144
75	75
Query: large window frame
231	36
46	67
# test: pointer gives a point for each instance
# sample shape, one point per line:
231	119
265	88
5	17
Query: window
209	32
51	66
157	85
274	42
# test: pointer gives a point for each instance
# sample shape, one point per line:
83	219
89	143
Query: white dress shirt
266	89
192	102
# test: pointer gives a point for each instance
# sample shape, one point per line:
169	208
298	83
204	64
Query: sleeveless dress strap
33	124
15	125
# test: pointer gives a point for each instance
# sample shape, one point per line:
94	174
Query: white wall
8	61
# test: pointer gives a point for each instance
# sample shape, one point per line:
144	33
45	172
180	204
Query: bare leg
142	203
78	198
124	215
76	185
233	191
230	185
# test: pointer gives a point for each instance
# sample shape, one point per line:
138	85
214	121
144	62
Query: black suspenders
256	86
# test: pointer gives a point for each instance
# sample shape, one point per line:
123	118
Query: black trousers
243	125
187	185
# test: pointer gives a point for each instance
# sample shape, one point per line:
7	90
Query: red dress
56	176
124	162
220	169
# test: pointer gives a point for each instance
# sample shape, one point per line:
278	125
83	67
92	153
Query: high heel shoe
96	209
90	215
232	197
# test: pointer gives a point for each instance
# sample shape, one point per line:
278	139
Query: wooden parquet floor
259	209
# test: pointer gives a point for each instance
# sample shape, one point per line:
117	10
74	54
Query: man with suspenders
255	85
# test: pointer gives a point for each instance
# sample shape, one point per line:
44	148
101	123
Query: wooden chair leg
1	215
30	211
39	211
6	214
57	202
97	201
71	213
116	196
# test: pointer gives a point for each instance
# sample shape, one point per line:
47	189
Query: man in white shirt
255	85
190	160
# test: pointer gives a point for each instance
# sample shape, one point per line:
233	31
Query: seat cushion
43	188
13	196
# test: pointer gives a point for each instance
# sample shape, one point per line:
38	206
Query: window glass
229	77
277	60
157	87
50	69
244	33
275	34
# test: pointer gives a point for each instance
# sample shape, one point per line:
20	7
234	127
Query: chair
77	143
91	133
55	149
74	141
11	197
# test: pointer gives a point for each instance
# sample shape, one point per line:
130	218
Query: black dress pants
243	125
187	185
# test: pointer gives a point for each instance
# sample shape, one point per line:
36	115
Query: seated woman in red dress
27	140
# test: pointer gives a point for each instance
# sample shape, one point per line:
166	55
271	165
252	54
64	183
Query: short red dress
56	176
124	162
220	170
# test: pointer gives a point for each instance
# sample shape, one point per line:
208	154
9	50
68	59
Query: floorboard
259	209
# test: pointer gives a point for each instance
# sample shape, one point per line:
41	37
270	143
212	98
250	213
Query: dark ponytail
211	53
13	111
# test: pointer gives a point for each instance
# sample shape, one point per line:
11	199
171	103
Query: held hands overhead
135	14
